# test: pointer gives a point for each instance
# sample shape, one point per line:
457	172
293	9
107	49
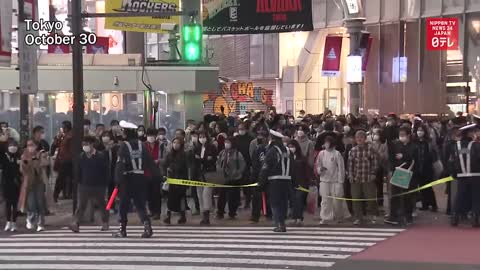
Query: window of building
264	55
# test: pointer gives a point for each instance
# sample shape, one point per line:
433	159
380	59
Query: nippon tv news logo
442	33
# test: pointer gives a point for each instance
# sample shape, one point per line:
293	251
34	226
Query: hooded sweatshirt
308	148
334	165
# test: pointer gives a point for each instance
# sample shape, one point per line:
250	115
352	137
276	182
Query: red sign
442	33
331	56
365	53
100	47
59	49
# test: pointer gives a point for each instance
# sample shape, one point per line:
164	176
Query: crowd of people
343	156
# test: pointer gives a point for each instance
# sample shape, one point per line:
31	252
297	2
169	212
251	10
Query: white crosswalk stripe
184	248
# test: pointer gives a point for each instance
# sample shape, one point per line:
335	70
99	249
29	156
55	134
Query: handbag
401	177
437	169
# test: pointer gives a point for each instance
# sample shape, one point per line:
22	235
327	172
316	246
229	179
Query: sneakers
40	228
13	227
357	222
280	229
74	228
374	220
29	225
391	221
8	226
323	222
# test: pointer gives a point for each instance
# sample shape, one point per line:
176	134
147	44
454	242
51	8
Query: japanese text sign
442	33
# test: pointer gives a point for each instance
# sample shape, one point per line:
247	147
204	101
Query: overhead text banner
140	24
256	16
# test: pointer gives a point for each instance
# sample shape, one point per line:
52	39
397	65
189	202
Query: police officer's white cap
276	134
471	126
127	125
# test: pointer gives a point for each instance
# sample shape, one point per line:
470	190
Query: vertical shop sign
331	56
5	32
442	33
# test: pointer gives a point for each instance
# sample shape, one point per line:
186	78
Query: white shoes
13	227
8	226
29	225
357	222
40	228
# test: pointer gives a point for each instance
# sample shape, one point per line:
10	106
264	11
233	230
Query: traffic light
192	42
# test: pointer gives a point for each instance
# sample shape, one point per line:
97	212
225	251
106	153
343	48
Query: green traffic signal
192	42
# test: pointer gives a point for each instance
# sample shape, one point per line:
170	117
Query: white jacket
333	164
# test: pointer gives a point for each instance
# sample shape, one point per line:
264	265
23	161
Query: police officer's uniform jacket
467	157
133	160
278	164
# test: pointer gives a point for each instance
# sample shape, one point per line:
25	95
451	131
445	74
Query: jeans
299	204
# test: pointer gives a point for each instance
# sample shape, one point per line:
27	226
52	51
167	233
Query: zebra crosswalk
185	248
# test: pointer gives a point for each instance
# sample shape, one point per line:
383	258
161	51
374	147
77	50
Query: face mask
42	136
285	144
12	149
228	146
403	139
300	133
195	139
318	130
282	122
346	129
376	137
326	145
86	127
140	133
86	148
203	140
291	121
420	134
293	149
242	132
235	134
161	137
31	149
151	139
4	128
105	139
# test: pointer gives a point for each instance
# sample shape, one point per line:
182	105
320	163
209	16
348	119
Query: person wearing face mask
449	161
361	167
404	152
277	173
176	166
243	141
154	184
116	130
330	168
92	183
232	163
10	132
301	178
99	129
379	145
258	158
307	146
142	136
133	160
203	165
427	155
33	167
110	148
11	181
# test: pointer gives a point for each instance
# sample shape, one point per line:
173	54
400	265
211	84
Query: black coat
11	179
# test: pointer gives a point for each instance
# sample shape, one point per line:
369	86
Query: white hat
276	134
469	127
127	125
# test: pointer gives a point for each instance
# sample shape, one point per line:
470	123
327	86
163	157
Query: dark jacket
94	170
302	172
124	164
257	161
272	167
426	155
176	164
243	145
202	165
474	159
10	173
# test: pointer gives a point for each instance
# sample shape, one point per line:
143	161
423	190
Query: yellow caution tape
429	185
183	182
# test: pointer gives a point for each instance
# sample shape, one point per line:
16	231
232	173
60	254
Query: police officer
133	159
467	169
258	159
277	171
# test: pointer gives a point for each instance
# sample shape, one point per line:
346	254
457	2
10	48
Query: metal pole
78	104
24	115
466	73
354	28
